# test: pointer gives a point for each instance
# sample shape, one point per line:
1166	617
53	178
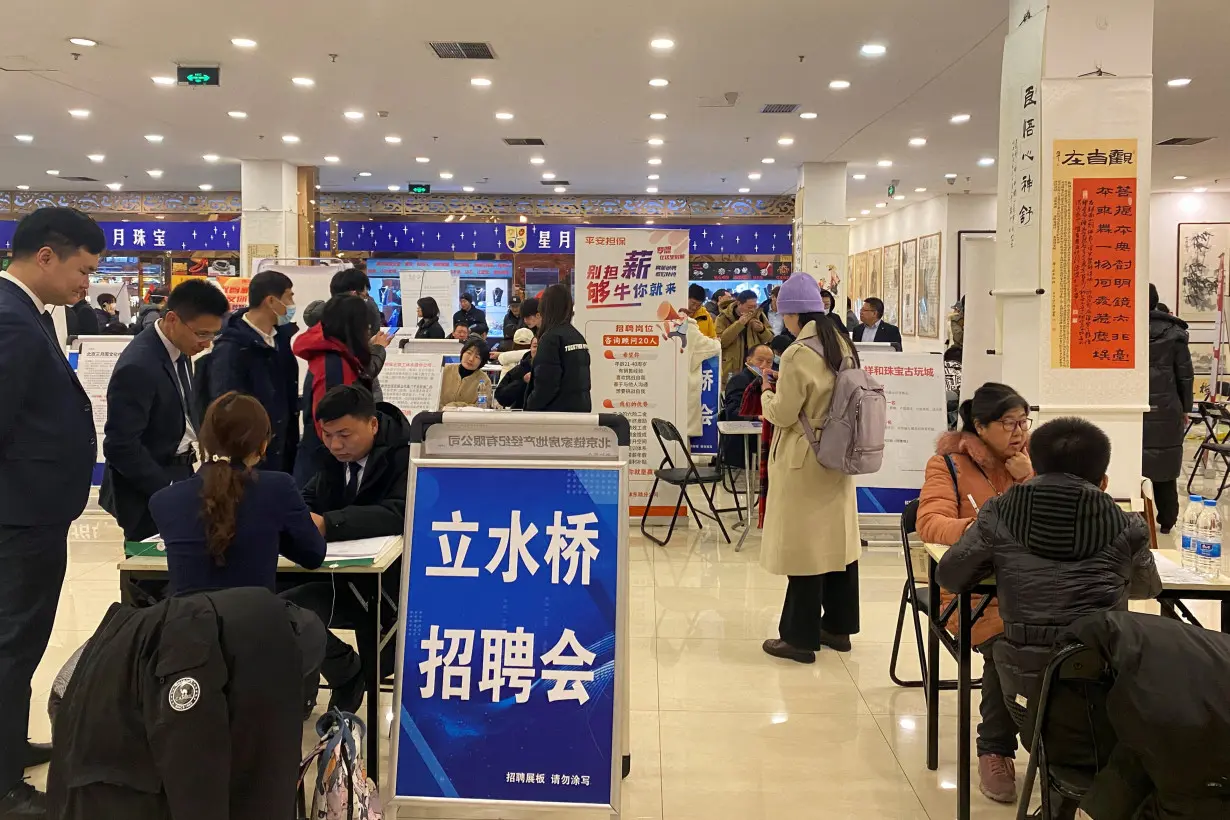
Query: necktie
49	323
352	483
185	384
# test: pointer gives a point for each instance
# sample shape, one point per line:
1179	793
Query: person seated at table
1059	548
518	346
460	384
759	361
510	393
461	332
987	457
359	493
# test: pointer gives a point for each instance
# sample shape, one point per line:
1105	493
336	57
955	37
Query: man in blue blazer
873	328
47	455
151	418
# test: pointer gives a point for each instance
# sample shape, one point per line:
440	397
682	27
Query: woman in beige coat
461	383
811	519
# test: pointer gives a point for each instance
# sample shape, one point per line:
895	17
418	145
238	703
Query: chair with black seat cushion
1212	414
706	478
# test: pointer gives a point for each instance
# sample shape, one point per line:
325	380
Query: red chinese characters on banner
1103	273
627	284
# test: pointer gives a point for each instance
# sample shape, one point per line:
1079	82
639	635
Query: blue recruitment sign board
706	444
508	678
158	236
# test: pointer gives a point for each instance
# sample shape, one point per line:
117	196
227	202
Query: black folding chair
1212	414
913	600
1076	664
682	477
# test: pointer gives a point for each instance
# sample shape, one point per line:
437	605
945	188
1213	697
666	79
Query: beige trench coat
811	515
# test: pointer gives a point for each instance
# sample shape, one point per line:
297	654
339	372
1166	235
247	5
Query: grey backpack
851	439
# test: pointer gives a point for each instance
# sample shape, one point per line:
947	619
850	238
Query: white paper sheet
361	548
1172	573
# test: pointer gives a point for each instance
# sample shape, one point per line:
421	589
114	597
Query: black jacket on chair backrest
183	710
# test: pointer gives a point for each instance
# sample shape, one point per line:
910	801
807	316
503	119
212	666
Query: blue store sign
507	690
158	236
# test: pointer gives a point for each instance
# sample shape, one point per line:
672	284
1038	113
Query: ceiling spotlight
859	176
655	161
86	42
920	190
986	162
537	161
852	219
656	141
303	82
657	116
469	189
160	216
662	43
24	138
648	221
23	187
899	197
503	115
651	190
480	82
290	139
53	173
559	189
745	190
210	157
155	173
755	175
768	160
237	115
1178	178
522	219
1179	82
205	186
548	175
446	175
1194	190
864	212
881	204
885	163
658	82
950	176
786	141
957	119
422	159
393	140
808	115
365	173
79	113
394	187
154	138
918	142
115	186
353	115
163	80
96	157
839	85
873	50
243	42
332	158
653	177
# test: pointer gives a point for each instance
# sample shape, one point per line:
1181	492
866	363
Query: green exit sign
198	75
420	189
892	189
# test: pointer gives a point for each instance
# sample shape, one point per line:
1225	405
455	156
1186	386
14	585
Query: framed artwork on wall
860	276
892	284
1202	358
909	287
875	271
1204	251
929	307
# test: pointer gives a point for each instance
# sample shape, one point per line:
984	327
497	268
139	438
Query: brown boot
997	778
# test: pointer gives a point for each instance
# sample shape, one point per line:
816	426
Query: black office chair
682	477
1212	414
1077	664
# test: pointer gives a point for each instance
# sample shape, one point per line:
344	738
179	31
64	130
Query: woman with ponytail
985	458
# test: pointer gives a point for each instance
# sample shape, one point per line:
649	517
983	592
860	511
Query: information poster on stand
1093	254
628	285
95	363
441	284
411	382
917	417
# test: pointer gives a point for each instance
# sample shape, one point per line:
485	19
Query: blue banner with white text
158	236
706	444
508	684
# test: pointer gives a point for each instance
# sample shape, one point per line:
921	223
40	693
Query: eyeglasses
1016	424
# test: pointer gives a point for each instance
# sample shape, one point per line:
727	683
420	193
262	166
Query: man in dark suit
47	455
873	328
151	424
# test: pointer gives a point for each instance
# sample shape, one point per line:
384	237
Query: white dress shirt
269	338
359	465
869	333
185	444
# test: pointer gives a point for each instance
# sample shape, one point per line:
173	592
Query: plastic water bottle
1208	547
1191	516
484	394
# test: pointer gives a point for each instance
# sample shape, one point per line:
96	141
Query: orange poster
1093	254
235	287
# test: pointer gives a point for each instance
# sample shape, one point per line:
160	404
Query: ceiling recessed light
548	175
159	216
839	85
480	82
537	161
155	173
290	139
205	186
332	158
755	175
96	157
986	162
745	190
1200	190
648	221
899	197
852	219
658	82
303	82
864	212
210	157
881	204
920	190
422	159
154	138
446	175
1179	82
353	115
24	137
394	187
860	176
885	163
654	177
23	187
655	161
392	139
85	42
53	173
656	141
950	176
808	115
918	142
662	43
243	42
503	115
657	116
559	189
768	160
237	115
957	119
651	190
163	80
786	141
469	189
1179	177
873	50
115	186
79	113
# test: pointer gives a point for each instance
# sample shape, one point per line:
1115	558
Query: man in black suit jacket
874	328
151	427
47	455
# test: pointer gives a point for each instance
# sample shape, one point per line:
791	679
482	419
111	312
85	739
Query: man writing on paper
359	493
47	454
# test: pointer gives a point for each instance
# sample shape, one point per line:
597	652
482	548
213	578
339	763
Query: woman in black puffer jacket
560	382
1170	394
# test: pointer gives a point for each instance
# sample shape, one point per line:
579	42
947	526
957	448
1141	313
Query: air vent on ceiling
727	100
1185	140
78	179
554	182
780	108
463	51
524	141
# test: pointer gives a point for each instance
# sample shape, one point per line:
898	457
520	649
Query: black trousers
1166	498
32	563
336	608
997	728
815	602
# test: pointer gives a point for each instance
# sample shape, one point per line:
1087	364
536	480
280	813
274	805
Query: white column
821	233
270	202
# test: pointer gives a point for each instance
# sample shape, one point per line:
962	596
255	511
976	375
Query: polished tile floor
719	730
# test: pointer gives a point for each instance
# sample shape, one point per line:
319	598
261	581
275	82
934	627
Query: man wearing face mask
253	356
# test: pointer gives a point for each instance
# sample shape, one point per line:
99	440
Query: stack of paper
1172	573
363	550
